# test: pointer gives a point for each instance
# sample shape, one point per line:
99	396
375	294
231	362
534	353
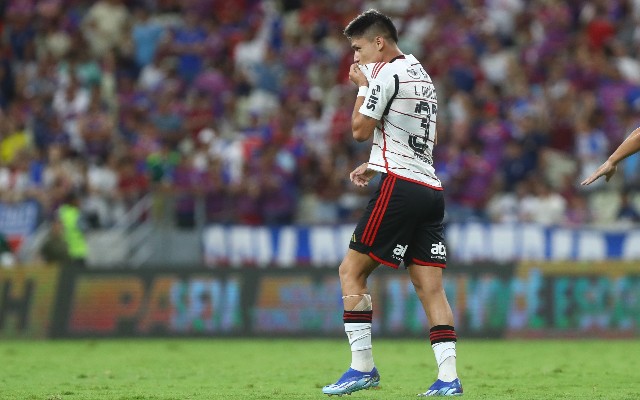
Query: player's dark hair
371	21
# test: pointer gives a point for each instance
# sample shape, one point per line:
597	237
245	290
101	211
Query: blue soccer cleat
440	388
352	381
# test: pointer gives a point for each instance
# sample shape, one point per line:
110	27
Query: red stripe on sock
357	316
442	335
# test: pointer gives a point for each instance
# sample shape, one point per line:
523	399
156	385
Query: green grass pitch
297	369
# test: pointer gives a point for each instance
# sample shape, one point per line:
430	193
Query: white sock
359	334
445	353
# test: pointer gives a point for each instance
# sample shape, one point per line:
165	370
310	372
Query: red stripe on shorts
428	264
378	220
366	237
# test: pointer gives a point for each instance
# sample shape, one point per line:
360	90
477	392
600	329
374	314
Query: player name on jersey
428	92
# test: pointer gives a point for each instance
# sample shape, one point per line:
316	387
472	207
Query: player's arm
362	175
630	146
362	125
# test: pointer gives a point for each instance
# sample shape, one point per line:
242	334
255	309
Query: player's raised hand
607	170
362	175
357	76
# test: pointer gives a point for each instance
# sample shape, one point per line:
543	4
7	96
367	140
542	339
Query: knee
427	289
345	273
349	274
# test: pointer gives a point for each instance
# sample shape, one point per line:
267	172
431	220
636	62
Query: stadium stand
246	106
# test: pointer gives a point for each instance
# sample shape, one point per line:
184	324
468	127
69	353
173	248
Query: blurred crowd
243	107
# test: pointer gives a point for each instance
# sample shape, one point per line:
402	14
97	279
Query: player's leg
357	316
379	238
426	260
358	309
427	281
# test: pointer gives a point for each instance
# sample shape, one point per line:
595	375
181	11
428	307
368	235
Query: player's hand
357	76
607	170
362	175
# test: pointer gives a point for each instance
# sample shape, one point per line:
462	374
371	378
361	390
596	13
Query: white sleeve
375	102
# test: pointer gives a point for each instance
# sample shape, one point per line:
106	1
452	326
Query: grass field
297	369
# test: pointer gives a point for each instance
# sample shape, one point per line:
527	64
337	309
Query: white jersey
402	97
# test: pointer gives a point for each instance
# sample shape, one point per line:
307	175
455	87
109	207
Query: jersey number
419	143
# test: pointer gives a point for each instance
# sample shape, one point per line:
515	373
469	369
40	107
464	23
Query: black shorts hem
428	263
364	249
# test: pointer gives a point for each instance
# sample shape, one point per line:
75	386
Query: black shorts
402	222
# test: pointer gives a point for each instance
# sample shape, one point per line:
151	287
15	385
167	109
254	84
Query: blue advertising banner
19	219
325	246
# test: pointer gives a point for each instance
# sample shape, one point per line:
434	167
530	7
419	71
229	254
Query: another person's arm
630	146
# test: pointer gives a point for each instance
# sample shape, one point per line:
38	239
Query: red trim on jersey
372	163
380	203
381	261
408	115
416	98
415	181
378	220
428	264
384	148
399	154
377	68
404	130
415	81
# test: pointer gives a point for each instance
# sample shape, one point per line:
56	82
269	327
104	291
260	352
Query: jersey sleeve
377	98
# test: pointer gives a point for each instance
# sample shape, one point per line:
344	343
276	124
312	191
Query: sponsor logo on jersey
373	98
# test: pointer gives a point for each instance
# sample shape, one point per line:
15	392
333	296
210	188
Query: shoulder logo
413	73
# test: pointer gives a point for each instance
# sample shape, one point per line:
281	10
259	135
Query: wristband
362	91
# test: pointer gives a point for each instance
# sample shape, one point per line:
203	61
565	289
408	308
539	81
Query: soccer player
630	146
397	106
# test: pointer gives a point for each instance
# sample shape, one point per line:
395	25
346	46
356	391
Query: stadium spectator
146	34
7	258
628	211
73	227
544	206
54	248
105	26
